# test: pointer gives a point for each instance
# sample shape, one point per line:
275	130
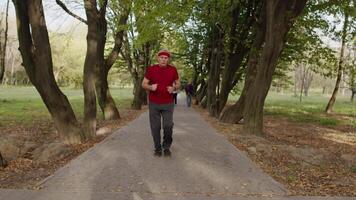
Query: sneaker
167	152
158	153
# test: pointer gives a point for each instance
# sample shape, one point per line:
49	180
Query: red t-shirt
164	77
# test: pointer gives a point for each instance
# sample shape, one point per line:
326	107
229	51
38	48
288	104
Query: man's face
163	60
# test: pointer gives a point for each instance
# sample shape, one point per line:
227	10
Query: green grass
311	109
353	169
23	105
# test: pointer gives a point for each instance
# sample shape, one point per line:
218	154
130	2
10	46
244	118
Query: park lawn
310	109
23	105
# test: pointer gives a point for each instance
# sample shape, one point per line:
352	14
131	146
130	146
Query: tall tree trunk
142	60
139	94
308	82
238	49
303	71
3	162
196	73
329	107
90	66
137	70
37	60
214	72
234	114
3	46
201	92
280	15
106	102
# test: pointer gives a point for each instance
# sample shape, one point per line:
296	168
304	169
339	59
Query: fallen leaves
332	176
24	172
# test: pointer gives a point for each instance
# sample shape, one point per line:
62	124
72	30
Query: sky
57	20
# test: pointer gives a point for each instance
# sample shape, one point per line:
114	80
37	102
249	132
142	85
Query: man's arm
176	84
147	86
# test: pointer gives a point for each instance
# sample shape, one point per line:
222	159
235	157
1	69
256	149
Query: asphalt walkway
203	166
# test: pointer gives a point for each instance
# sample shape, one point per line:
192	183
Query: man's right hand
153	87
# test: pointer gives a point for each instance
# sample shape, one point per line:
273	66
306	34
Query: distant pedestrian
189	91
161	80
175	96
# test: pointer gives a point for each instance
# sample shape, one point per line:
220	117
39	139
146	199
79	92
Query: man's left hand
170	89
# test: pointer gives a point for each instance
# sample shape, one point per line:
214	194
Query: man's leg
167	114
155	123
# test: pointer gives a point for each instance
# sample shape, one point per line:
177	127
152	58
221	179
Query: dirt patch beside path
308	159
30	142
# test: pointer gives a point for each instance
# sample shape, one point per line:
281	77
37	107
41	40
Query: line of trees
139	44
222	44
243	46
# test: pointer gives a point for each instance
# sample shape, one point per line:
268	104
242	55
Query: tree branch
64	7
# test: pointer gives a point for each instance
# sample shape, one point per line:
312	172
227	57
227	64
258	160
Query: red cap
164	53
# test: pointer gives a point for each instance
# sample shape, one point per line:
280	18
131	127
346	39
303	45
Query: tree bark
353	92
137	69
201	92
139	94
234	114
238	50
37	60
280	15
3	162
214	72
329	107
308	81
142	60
90	66
3	46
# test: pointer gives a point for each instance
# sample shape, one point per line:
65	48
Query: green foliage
152	21
304	45
68	54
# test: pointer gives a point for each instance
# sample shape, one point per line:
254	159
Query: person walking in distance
161	80
189	91
175	96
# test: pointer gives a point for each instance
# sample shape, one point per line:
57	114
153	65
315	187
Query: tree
4	44
303	78
235	113
279	17
103	65
106	102
350	72
239	42
37	59
3	162
346	8
95	47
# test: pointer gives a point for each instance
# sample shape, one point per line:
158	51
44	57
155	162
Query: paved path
204	165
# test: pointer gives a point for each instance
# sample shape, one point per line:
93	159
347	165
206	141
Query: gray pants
156	113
